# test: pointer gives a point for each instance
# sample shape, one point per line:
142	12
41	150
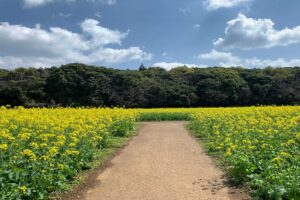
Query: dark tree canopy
83	85
142	67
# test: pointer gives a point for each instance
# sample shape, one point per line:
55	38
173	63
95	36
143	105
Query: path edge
87	178
244	191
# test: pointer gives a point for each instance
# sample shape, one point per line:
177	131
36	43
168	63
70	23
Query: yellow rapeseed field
40	149
259	145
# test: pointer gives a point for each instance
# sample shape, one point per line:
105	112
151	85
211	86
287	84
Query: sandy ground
164	162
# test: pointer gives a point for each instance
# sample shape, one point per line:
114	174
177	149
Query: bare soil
163	162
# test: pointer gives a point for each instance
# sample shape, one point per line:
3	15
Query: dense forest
83	85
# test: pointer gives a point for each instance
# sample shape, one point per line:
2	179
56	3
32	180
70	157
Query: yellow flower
43	145
29	153
277	160
228	152
44	157
4	134
72	144
264	146
53	151
285	155
23	189
34	145
290	142
71	152
60	166
24	136
298	136
3	147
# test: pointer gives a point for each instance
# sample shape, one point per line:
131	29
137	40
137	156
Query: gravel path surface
164	162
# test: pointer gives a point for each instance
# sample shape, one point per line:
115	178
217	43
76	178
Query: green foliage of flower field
169	114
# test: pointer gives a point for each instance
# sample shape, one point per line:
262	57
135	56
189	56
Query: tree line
83	85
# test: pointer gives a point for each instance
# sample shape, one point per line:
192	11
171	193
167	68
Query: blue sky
124	33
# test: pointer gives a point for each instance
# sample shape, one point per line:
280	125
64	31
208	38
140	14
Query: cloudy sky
124	33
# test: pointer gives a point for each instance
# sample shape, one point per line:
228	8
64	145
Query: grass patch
164	116
104	154
204	143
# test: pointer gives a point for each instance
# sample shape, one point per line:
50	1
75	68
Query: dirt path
162	163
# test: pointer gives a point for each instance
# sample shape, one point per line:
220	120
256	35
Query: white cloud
108	2
98	14
223	57
280	62
25	46
35	3
11	62
38	3
184	10
227	59
196	26
101	35
62	15
249	33
109	55
217	4
169	66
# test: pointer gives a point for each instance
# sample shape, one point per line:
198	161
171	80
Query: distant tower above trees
142	67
